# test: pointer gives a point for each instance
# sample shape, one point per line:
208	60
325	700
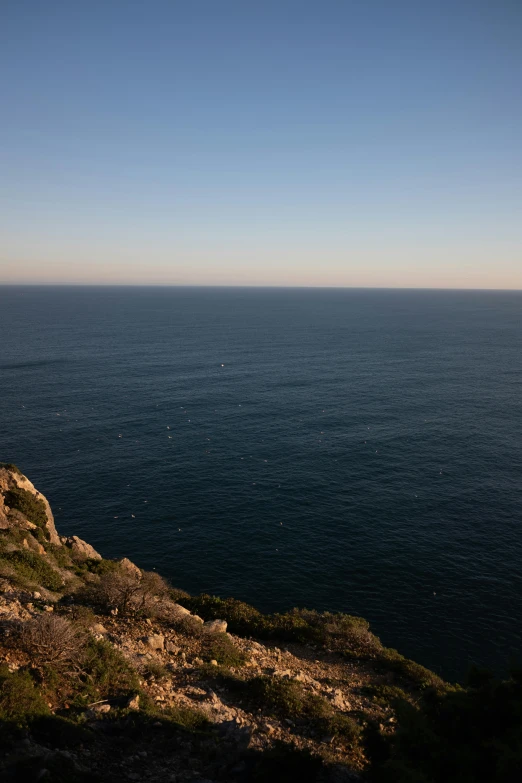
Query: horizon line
252	286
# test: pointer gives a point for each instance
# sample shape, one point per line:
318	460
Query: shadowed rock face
11	479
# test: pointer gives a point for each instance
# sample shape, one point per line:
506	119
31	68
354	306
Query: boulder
129	566
215	626
80	549
337	699
11	479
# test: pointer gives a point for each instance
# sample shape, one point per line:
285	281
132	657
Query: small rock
48	608
36	595
267	728
101	708
156	641
98	628
215	626
172	648
133	703
213	662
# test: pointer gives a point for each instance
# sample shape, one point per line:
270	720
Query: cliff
110	674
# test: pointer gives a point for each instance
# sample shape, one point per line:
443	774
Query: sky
212	142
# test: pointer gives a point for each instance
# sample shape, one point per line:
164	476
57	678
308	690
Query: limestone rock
337	699
129	566
215	626
10	479
177	611
133	702
156	641
80	549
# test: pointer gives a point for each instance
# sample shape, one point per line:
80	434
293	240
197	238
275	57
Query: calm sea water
354	450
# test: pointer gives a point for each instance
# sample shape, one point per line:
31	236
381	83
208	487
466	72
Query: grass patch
33	568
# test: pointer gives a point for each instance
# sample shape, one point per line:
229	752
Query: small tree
130	592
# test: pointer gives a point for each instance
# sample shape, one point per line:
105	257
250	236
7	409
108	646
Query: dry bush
130	592
51	640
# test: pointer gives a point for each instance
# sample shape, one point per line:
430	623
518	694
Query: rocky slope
110	674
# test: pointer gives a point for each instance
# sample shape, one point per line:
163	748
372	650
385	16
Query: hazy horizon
288	145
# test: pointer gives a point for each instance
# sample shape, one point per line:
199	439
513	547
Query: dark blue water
351	450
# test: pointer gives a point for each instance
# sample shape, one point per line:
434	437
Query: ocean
350	450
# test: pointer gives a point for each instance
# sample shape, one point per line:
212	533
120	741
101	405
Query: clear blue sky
331	142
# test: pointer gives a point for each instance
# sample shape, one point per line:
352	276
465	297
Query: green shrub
286	698
59	554
221	648
34	568
20	701
333	630
342	726
104	673
388	659
156	670
30	506
387	695
92	565
186	718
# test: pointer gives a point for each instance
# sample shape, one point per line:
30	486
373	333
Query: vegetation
32	568
11	467
30	506
20	700
105	673
50	640
131	593
344	633
219	647
470	735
